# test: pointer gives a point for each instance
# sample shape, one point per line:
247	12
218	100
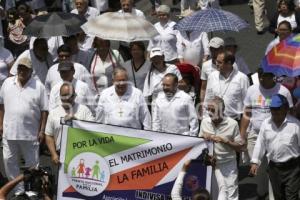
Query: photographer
40	186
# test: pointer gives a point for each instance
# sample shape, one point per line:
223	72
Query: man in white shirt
83	9
40	58
127	7
229	84
279	138
224	132
257	108
53	76
173	110
84	94
23	115
68	110
122	104
215	45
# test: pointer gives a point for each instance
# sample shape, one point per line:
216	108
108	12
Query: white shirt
87	43
259	99
272	44
129	110
135	12
101	5
5	58
207	68
82	90
176	115
53	76
291	19
137	77
90	13
166	40
101	71
40	68
154	85
23	107
227	129
53	44
192	48
232	89
281	144
53	126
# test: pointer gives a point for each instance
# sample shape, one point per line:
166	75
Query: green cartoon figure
96	170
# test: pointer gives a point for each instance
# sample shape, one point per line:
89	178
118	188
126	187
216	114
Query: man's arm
245	122
43	120
51	146
193	118
9	186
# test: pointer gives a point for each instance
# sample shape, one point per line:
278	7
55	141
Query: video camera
37	182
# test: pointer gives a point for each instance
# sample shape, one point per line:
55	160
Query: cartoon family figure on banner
83	171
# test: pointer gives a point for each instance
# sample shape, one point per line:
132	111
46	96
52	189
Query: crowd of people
179	82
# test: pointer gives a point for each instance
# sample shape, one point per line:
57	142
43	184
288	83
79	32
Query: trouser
12	150
259	9
227	179
261	179
285	179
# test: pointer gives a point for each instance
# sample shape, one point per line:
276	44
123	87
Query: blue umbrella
210	20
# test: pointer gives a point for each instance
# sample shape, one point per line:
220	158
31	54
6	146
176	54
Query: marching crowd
181	82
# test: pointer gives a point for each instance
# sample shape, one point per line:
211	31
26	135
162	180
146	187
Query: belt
291	163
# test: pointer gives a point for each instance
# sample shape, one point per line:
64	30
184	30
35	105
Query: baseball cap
163	9
216	42
156	52
65	66
278	101
25	62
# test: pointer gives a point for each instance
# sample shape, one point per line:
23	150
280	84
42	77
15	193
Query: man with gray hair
122	104
83	9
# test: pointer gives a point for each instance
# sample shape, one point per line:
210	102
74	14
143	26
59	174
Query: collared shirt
84	95
227	129
23	107
53	76
176	115
259	99
101	71
280	143
232	89
135	12
90	13
192	48
129	110
53	126
137	77
5	58
40	68
166	40
153	86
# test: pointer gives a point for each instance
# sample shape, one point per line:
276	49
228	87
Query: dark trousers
285	179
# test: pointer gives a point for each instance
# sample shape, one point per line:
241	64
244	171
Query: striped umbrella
120	26
210	20
284	58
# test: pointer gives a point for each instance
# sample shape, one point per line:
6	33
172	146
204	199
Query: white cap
156	52
164	9
216	42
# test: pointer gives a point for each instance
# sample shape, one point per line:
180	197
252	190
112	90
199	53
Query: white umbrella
120	26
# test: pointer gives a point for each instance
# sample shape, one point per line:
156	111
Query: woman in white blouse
102	62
